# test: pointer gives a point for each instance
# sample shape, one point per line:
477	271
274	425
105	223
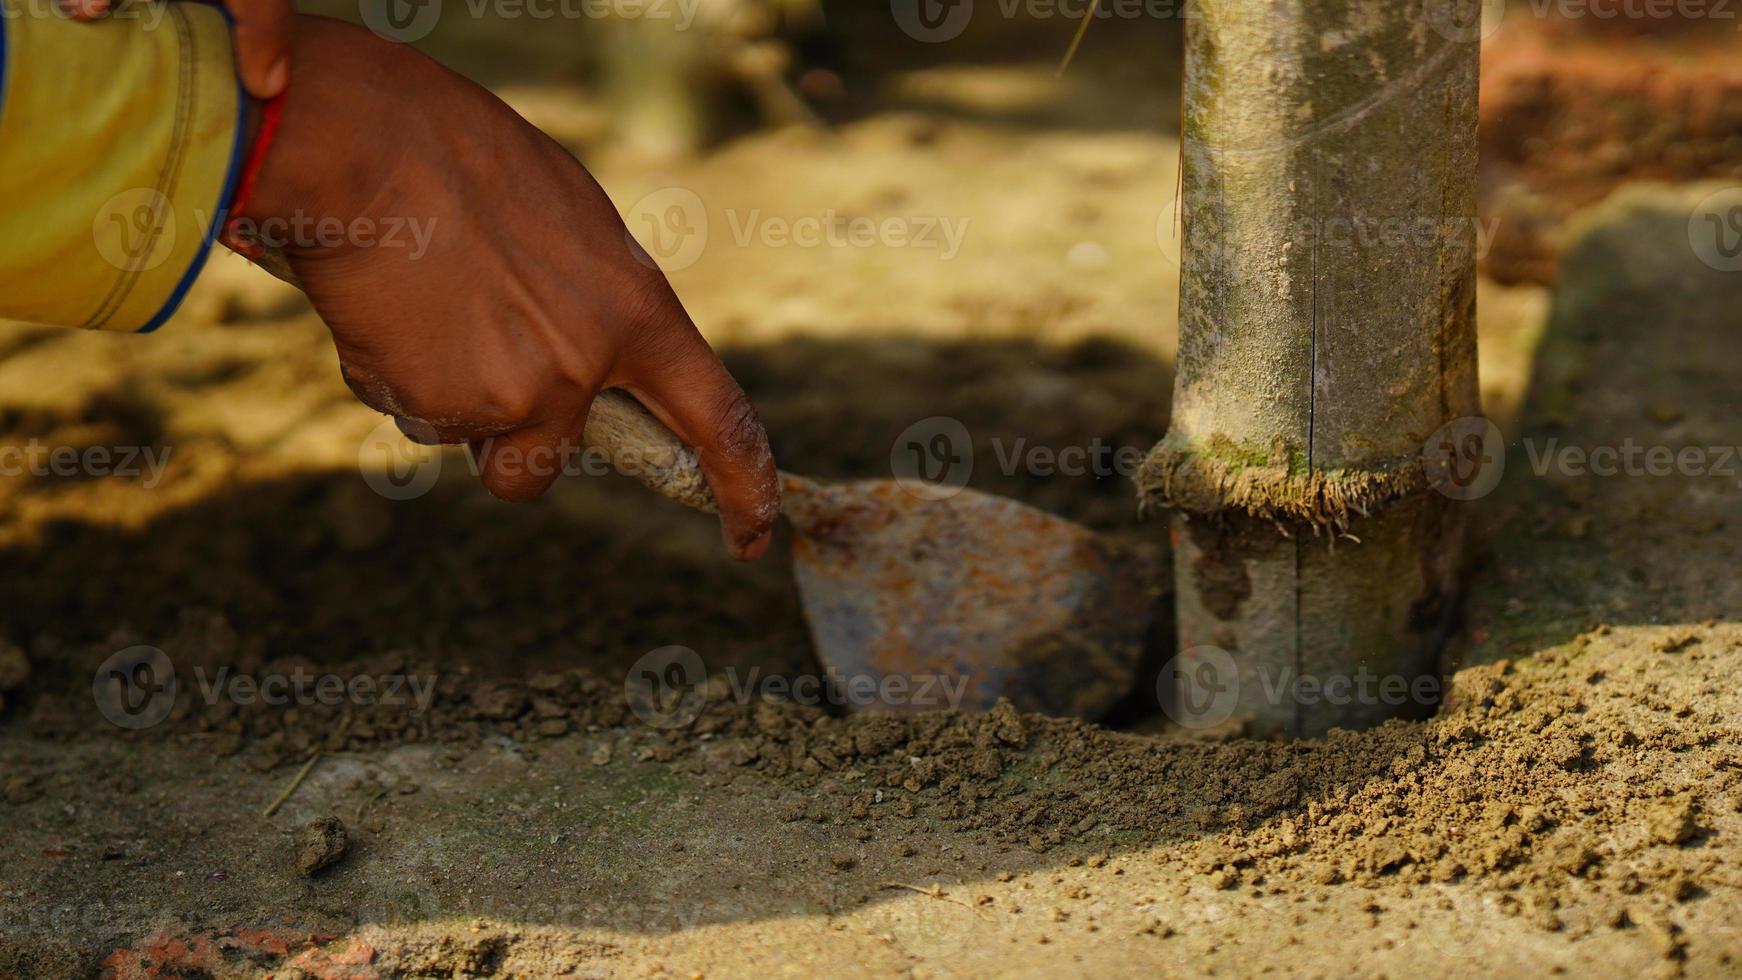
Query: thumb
263	32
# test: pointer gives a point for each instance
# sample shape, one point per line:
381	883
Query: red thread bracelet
271	114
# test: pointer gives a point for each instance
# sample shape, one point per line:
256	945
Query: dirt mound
1571	111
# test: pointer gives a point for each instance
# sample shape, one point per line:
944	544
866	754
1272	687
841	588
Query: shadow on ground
527	792
319	566
1638	367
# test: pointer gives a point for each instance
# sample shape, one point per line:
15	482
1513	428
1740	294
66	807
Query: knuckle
374	391
413	404
659	331
660	344
738	434
510	403
648	299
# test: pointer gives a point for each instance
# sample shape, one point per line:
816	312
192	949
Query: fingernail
754	550
85	9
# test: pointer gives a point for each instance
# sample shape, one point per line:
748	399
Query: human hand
515	297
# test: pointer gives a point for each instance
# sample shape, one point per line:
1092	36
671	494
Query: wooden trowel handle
634	442
640	446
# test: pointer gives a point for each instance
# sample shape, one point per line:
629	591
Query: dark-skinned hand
527	297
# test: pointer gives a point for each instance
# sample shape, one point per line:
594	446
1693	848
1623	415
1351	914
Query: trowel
939	590
961	595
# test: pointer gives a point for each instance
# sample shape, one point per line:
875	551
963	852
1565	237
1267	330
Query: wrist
335	137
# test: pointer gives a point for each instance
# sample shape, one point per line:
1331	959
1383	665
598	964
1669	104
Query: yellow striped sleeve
119	145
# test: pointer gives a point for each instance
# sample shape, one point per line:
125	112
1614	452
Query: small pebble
324	841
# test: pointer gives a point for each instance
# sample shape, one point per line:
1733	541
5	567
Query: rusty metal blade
966	598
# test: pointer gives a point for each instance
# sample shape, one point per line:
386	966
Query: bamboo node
1215	477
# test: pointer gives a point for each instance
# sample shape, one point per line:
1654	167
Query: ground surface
1576	806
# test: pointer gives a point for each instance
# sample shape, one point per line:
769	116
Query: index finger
680	379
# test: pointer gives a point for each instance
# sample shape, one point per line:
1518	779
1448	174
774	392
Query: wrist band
271	114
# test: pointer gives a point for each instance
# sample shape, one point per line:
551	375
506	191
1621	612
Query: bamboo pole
1327	309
